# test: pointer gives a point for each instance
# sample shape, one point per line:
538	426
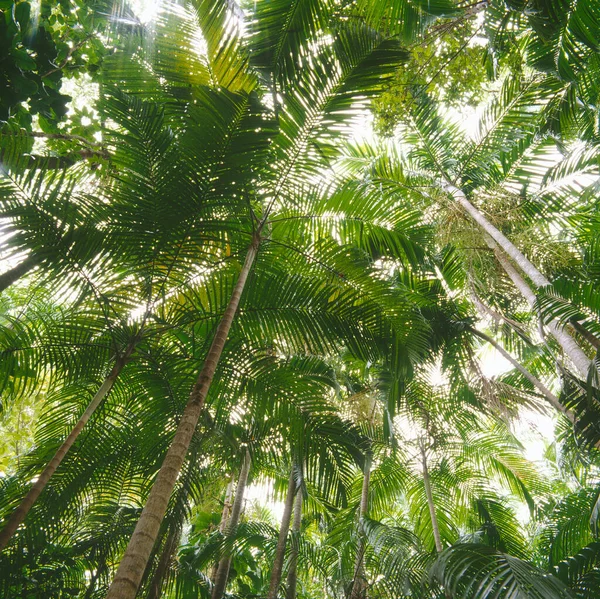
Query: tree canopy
298	299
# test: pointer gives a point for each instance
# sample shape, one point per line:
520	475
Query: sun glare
146	10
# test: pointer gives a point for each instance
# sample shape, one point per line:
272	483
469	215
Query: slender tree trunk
20	513
14	274
569	345
552	399
277	569
224	519
430	503
508	246
359	584
220	580
162	569
226	506
131	569
498	317
292	575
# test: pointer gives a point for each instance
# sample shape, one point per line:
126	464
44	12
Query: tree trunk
131	569
359	584
520	259
552	399
223	523
292	575
162	569
20	513
569	345
220	580
14	274
277	569
434	521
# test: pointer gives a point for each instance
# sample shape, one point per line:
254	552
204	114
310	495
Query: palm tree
231	225
293	157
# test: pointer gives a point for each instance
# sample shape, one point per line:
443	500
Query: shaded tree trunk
224	519
430	503
359	583
292	575
20	513
277	569
220	580
552	399
166	559
569	345
14	274
131	569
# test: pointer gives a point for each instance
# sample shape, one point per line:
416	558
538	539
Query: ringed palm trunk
14	274
282	540
222	574
359	586
568	344
292	575
131	569
20	513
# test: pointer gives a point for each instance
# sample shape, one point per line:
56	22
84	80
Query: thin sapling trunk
277	569
220	579
359	584
20	513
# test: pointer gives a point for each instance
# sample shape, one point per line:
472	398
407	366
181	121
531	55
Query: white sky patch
146	10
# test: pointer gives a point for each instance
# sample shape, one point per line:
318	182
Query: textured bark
277	569
14	274
359	583
131	569
166	559
430	503
552	399
220	580
569	345
292	575
20	513
224	519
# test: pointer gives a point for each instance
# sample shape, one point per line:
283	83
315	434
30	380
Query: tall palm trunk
20	513
166	559
131	569
224	519
430	503
569	345
220	580
359	584
277	569
292	575
15	273
508	246
552	399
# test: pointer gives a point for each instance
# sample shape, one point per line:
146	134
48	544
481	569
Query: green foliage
352	356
